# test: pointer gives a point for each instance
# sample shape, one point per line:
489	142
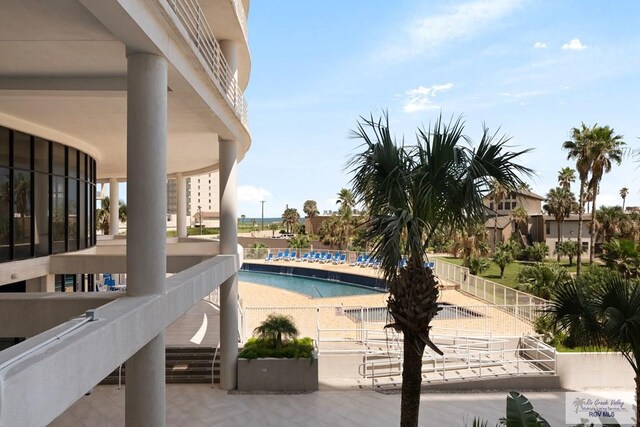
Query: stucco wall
579	371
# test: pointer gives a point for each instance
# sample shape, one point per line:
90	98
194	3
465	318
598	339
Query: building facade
107	92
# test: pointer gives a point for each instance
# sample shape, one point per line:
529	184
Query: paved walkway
199	405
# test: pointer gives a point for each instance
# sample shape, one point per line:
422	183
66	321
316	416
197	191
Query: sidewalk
199	405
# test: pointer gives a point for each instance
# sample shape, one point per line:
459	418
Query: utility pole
262	223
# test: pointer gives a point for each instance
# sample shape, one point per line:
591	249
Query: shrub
541	279
537	252
477	265
294	349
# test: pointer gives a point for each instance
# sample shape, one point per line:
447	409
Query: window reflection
5	214
22	214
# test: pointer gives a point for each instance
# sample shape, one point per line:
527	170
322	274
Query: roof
531	194
503	221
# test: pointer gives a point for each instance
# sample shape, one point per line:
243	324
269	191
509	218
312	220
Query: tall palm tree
601	310
579	150
103	218
310	208
520	216
606	149
498	193
413	193
346	200
624	192
609	221
560	203
290	218
566	177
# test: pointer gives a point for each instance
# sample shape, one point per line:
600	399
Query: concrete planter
278	374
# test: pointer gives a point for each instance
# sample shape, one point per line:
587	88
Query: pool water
315	288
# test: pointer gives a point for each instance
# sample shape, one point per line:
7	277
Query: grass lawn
510	272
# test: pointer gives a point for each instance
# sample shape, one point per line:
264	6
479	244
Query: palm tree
290	218
624	192
243	216
609	221
103	218
499	193
503	256
521	217
412	194
566	177
277	327
310	209
606	149
579	149
560	203
274	226
601	310
346	200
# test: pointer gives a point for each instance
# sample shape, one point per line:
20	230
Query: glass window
4	147
41	155
82	215
41	213
22	214
72	214
21	150
58	214
58	157
5	214
72	156
83	166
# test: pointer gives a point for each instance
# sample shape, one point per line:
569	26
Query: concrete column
42	284
228	245
146	236
114	207
181	190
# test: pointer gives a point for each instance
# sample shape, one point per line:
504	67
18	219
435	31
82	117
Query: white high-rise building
110	91
203	194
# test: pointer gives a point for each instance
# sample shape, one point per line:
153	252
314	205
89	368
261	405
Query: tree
622	256
274	226
300	241
579	149
346	200
103	220
521	218
541	279
333	231
568	248
560	203
503	256
624	192
498	193
601	309
243	216
277	328
609	222
412	193
290	219
538	251
566	177
310	209
606	148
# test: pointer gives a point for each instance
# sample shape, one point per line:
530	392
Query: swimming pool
315	288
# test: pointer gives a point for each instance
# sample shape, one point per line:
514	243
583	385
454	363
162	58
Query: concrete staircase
184	365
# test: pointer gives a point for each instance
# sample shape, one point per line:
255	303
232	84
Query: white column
228	245
114	207
181	194
230	53
146	235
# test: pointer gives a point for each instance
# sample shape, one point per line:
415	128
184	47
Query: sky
533	69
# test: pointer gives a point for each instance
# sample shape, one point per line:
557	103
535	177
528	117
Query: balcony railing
242	17
188	17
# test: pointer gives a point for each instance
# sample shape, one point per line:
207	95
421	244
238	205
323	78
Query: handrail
188	17
213	362
242	17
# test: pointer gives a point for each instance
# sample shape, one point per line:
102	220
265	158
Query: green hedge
256	348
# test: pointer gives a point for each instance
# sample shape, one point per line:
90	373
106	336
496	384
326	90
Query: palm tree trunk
495	231
411	380
580	210
592	226
638	401
558	243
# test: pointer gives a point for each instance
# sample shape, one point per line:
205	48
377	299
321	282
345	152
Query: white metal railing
487	290
190	20
467	358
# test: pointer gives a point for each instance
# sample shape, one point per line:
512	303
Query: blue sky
533	68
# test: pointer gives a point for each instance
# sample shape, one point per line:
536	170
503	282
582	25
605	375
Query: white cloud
421	98
249	193
574	44
540	45
460	21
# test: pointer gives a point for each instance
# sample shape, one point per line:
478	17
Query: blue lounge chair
327	258
358	261
279	256
432	265
286	254
317	257
292	256
336	258
269	258
343	259
365	261
305	257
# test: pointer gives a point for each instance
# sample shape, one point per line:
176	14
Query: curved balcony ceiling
63	77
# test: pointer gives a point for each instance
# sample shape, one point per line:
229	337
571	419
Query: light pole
262	223
200	213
